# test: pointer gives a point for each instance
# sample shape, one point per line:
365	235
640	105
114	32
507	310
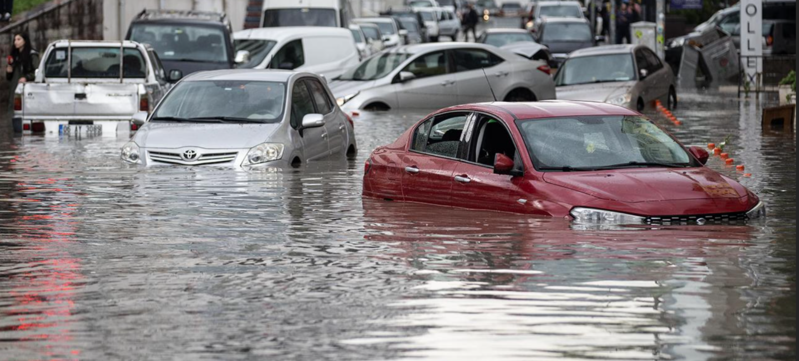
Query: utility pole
612	22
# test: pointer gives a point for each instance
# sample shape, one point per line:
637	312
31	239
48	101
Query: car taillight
26	126
349	119
133	126
545	69
144	103
17	103
769	40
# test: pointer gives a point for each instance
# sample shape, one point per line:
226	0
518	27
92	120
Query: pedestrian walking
470	23
21	65
623	23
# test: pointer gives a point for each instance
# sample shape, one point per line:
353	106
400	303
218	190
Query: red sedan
593	162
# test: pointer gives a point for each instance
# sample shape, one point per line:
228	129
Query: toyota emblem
189	154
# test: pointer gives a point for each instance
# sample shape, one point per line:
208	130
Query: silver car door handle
502	73
412	170
324	135
462	179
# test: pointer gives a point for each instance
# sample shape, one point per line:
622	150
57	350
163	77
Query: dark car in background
185	41
564	35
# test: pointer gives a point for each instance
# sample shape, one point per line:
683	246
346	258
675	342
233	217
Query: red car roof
548	108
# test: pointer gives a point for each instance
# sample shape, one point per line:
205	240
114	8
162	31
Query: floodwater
101	260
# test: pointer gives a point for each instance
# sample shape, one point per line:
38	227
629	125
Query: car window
371	33
502	39
253	100
323	103
301	103
729	23
158	68
641	61
440	135
356	34
258	49
490	138
91	62
289	57
471	59
566	32
427	65
304	16
653	61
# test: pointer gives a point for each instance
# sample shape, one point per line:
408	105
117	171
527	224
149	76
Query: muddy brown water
101	260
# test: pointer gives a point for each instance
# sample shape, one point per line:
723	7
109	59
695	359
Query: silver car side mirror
403	32
643	73
139	118
313	121
406	75
242	56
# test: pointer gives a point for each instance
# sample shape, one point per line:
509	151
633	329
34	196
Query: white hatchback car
321	50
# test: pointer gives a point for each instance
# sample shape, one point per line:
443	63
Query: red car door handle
412	169
462	179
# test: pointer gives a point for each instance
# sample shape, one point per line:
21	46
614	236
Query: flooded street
103	260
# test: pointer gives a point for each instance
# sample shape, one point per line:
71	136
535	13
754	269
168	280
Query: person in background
6	7
21	64
623	23
470	20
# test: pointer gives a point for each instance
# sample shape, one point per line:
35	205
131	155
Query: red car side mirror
700	154
502	164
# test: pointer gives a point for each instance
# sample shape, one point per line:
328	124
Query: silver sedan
243	119
431	76
628	75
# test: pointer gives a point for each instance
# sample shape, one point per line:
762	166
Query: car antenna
489	84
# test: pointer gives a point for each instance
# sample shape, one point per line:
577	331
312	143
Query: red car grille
698	219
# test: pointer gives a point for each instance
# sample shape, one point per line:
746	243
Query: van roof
290	32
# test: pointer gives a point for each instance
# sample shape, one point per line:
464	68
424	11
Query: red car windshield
600	142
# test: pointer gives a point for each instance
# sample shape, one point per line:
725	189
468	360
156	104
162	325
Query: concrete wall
117	14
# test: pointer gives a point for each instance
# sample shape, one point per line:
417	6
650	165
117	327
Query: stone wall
58	19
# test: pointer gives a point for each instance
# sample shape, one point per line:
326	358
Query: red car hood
649	184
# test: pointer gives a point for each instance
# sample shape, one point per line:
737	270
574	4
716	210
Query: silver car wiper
177	119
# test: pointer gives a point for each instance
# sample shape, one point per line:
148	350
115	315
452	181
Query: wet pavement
101	260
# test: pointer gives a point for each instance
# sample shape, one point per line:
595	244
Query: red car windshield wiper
616	166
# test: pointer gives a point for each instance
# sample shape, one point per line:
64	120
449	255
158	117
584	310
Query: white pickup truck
87	84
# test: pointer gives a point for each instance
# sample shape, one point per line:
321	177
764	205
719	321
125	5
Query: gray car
243	119
431	76
628	75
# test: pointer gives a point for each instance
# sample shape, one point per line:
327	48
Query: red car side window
440	135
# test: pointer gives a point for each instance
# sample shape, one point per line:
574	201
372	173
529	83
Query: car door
648	88
474	183
433	86
334	121
432	156
314	140
474	69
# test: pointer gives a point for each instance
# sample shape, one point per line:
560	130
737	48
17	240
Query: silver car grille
202	159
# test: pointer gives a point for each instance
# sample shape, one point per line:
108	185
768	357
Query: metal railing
775	67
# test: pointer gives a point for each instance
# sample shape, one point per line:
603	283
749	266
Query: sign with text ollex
752	40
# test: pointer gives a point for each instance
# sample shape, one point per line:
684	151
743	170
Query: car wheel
640	105
672	101
352	152
520	95
377	107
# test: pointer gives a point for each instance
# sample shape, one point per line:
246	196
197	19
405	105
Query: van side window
323	103
290	57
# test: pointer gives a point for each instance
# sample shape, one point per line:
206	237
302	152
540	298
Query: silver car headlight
130	153
620	100
758	211
343	100
601	216
262	153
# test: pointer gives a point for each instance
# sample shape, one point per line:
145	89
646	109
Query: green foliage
789	79
25	5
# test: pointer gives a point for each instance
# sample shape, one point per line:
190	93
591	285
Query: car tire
352	152
640	105
671	102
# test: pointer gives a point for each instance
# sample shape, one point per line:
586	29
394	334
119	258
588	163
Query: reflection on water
100	260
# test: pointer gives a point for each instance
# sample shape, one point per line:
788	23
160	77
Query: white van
329	13
324	51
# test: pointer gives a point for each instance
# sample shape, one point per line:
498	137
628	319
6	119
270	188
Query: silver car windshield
375	67
599	142
561	11
224	100
577	32
596	69
258	49
183	42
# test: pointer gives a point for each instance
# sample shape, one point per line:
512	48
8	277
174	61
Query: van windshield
258	49
99	62
300	17
183	42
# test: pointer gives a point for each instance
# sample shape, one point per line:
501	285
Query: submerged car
592	162
430	76
632	76
243	119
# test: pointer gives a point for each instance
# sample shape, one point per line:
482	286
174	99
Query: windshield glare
561	11
375	67
499	40
300	17
566	32
183	42
258	49
599	141
596	69
252	100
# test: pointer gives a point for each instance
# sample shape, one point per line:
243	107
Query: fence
775	67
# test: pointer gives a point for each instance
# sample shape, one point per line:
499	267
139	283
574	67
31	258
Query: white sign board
752	39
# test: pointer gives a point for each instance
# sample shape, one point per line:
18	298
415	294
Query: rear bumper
95	126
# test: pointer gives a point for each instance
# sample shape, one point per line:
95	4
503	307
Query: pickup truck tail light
144	103
17	102
545	69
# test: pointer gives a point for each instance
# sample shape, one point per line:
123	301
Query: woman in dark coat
22	64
